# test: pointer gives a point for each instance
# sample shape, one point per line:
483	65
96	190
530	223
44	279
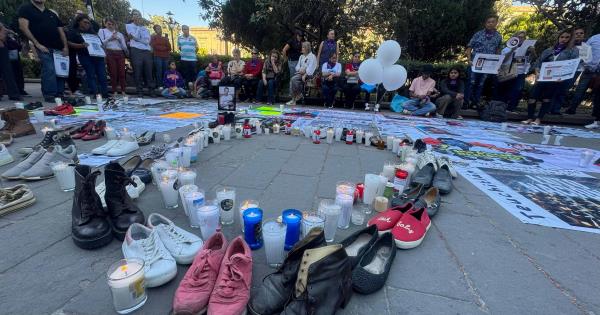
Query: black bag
494	111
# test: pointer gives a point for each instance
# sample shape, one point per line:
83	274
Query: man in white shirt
330	72
188	49
140	53
590	62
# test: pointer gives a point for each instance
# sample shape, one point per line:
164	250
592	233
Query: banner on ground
560	201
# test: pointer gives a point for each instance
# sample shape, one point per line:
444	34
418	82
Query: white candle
186	156
371	184
345	202
126	283
208	219
98	99
194	200
110	133
273	234
167	189
388	170
330	135
368	136
338	134
396	145
226	203
359	136
46	129
172	157
227	132
267	131
58	101
88	100
157	168
390	142
380	204
65	175
307	131
125	99
187	177
183	190
381	185
257	127
206	136
191	143
276	128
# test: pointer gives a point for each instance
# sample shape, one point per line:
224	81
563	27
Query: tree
568	13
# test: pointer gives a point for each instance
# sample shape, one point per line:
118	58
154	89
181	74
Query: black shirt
43	25
295	49
74	36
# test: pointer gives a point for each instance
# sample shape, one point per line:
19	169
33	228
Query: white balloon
394	77
371	71
388	52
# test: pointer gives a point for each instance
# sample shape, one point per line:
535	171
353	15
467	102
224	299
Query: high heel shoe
83	130
97	132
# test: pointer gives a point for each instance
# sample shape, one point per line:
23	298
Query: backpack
494	111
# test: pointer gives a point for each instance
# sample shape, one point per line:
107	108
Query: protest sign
558	70
487	63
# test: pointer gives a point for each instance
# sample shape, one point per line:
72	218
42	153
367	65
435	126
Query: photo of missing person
227	98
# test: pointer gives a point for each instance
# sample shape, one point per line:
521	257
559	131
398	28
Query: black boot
277	288
89	226
123	212
324	282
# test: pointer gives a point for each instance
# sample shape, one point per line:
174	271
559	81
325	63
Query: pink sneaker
386	220
232	291
195	288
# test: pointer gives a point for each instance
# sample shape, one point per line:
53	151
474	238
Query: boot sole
16	207
34	178
93	244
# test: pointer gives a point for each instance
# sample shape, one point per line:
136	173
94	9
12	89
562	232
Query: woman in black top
292	50
95	69
452	89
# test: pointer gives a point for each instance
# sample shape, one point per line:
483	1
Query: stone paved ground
476	258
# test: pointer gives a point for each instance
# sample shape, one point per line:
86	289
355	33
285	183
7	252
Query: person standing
560	99
596	103
589	52
252	72
544	90
45	30
140	53
13	44
510	90
327	48
486	41
6	71
116	51
188	47
161	48
95	68
292	51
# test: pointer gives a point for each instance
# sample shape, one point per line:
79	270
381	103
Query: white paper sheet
487	63
522	50
61	65
558	70
95	45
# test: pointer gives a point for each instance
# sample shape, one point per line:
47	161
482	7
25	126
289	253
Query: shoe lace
175	235
89	196
232	277
201	274
152	252
48	139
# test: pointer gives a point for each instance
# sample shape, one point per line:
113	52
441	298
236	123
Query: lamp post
171	23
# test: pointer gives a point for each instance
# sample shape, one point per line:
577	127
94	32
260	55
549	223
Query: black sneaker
33	105
373	269
51	138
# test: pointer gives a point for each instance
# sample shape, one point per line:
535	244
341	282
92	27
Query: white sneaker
123	147
133	191
292	102
144	243
376	107
182	244
101	150
594	125
367	108
5	157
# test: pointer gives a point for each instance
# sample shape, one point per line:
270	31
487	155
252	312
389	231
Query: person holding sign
546	90
486	41
589	52
509	91
83	40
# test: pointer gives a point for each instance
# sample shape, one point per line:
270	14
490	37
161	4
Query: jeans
442	106
141	61
584	81
73	81
474	86
167	93
188	71
546	92
250	86
95	69
417	109
351	92
6	73
560	96
292	66
17	69
329	89
596	109
52	86
160	66
115	60
515	91
271	87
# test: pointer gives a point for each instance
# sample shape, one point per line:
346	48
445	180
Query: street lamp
171	23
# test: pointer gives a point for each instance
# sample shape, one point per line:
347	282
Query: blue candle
253	227
292	218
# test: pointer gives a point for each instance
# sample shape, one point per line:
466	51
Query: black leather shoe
89	225
430	201
324	282
130	165
427	165
372	271
357	244
420	146
277	288
123	212
143	171
443	177
406	196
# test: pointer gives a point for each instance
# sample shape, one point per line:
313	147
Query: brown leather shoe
18	123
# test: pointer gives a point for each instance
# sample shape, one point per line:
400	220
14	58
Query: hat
427	69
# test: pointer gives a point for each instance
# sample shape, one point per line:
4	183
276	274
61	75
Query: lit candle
208	218
65	175
276	128
226	132
311	220
183	190
368	136
330	135
172	156
292	218
246	204
167	188
388	170
390	142
126	283
46	129
252	222
157	168
396	145
187	177
194	200
359	136
191	143
110	133
186	156
226	203
380	204
345	202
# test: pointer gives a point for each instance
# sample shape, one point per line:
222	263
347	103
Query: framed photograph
227	98
61	65
95	45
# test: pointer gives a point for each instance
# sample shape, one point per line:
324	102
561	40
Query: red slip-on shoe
386	220
64	109
411	229
83	130
232	289
97	132
193	294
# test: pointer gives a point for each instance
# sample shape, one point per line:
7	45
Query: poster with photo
227	98
94	45
487	63
558	70
61	65
559	201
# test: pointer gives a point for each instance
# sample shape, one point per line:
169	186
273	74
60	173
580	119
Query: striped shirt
187	48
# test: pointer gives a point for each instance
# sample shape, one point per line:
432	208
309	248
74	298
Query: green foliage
564	14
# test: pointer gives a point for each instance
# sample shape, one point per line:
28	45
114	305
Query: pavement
476	258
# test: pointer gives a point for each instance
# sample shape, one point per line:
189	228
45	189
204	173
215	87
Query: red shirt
253	67
160	46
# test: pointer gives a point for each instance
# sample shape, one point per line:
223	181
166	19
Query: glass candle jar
252	227
126	282
226	203
167	189
292	218
273	234
65	175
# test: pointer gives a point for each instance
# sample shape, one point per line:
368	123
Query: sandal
97	132
83	130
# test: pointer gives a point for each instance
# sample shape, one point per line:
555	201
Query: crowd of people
258	80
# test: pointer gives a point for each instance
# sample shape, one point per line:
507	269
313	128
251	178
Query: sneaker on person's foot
594	125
